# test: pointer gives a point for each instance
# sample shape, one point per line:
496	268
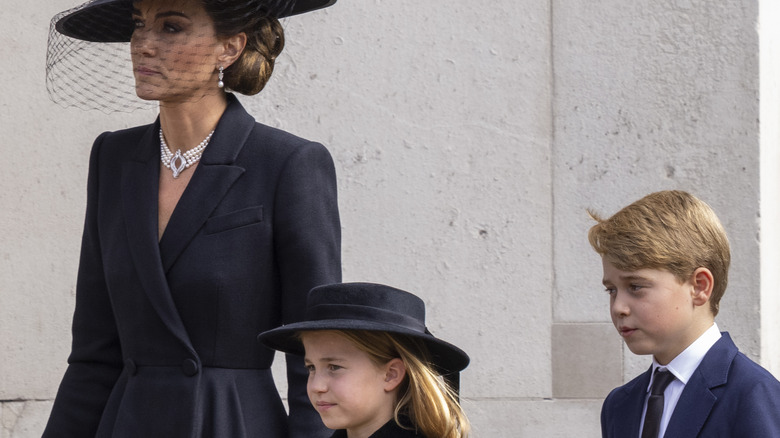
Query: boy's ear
232	47
395	371
703	282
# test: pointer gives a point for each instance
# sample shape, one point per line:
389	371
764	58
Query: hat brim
445	356
110	21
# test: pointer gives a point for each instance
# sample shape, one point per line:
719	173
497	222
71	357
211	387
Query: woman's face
174	49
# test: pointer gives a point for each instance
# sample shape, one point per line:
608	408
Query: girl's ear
703	282
395	371
231	49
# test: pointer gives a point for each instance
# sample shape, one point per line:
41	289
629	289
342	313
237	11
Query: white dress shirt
682	367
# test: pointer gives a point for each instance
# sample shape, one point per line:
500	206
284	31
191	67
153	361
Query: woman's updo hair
265	41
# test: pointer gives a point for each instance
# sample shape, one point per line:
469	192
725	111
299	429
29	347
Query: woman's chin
147	94
154	94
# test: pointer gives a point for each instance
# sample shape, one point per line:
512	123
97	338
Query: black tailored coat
164	333
391	429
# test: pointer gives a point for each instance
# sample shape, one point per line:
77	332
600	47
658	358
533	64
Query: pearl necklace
179	161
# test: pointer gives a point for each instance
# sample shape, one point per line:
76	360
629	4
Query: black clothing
391	429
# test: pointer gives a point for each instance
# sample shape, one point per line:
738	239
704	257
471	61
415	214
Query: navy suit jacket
728	395
164	332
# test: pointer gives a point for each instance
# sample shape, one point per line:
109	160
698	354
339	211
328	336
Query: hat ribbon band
365	313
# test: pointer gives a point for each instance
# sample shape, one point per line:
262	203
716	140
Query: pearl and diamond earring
220	83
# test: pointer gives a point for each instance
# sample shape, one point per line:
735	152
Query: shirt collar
686	362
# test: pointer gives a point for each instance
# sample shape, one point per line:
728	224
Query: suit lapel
693	408
212	179
140	186
204	192
139	204
697	399
629	404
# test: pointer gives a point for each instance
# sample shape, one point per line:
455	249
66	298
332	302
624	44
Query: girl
202	229
374	369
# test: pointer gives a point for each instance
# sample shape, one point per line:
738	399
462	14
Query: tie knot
661	379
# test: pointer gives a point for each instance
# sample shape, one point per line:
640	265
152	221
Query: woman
202	229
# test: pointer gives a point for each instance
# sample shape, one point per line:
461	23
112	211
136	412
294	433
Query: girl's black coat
164	333
391	429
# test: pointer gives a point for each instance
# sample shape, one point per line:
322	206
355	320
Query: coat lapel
212	179
697	399
628	405
140	186
139	204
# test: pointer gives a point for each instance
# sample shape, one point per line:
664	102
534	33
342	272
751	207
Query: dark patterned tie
655	403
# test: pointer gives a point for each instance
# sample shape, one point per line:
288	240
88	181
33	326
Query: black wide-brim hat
366	306
110	21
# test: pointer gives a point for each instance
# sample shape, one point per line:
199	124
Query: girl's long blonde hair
427	403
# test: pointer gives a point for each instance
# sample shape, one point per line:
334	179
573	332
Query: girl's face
346	387
174	49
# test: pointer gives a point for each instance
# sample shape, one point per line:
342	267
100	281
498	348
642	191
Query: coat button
132	369
189	367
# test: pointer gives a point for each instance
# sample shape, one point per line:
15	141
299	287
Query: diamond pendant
177	168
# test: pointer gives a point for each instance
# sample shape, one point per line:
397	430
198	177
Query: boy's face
653	312
347	389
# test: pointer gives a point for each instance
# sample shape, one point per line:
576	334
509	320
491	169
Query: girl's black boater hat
110	21
366	306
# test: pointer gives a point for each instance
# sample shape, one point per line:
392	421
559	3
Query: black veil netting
88	56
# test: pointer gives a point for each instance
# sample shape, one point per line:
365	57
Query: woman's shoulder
261	139
123	139
279	138
128	134
279	146
124	143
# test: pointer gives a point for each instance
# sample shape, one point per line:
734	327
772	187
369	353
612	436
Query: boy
666	260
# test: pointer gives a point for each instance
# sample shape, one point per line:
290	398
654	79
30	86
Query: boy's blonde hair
425	399
670	230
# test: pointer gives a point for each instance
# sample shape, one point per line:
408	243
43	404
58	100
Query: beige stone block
586	360
634	365
533	418
23	419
